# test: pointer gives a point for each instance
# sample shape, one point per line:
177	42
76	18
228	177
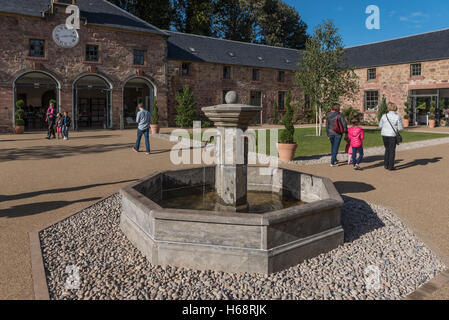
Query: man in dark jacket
335	137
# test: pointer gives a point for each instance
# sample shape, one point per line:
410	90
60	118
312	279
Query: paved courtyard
45	180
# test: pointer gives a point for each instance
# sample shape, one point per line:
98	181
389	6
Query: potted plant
432	115
406	115
155	128
19	127
287	146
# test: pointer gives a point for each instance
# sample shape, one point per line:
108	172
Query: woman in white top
391	124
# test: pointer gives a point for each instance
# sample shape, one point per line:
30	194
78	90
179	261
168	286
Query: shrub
19	122
186	113
351	113
20	104
383	108
155	119
287	135
206	124
275	113
432	111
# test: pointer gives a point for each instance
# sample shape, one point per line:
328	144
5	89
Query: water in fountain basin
259	202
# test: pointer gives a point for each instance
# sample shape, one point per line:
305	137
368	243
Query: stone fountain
232	217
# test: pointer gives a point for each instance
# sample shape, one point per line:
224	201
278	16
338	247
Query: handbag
398	136
338	126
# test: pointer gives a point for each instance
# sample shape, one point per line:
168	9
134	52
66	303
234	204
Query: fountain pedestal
231	120
230	238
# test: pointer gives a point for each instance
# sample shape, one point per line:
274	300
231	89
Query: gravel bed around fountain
110	267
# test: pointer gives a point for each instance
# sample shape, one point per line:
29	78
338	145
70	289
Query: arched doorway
92	103
135	91
36	89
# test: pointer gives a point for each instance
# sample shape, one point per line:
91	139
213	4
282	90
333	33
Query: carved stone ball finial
231	97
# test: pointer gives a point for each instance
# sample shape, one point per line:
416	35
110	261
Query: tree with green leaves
275	113
278	23
233	20
185	109
322	75
194	16
159	13
155	119
383	108
287	135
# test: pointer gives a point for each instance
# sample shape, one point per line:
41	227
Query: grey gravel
110	267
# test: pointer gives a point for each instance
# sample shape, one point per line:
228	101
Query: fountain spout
232	120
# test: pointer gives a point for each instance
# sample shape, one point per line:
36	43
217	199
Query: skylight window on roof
260	58
232	54
192	49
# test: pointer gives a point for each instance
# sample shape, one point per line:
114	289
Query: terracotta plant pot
287	151
155	128
406	123
432	123
19	129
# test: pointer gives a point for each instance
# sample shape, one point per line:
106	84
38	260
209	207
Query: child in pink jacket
356	135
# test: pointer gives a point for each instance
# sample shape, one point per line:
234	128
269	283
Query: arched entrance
92	103
36	89
135	91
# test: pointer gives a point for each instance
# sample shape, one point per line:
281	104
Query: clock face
65	37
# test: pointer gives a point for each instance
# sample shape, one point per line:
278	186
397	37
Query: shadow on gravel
38	207
358	219
346	187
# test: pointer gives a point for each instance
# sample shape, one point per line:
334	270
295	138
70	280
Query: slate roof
421	47
97	12
190	47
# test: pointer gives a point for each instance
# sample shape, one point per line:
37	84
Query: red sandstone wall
207	83
66	65
395	83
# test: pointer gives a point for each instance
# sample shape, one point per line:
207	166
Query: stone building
115	60
413	69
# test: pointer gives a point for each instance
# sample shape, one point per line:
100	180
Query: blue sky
398	18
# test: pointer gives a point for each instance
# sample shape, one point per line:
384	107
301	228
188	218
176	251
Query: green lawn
309	144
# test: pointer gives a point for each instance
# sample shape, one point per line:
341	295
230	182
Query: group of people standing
337	130
57	123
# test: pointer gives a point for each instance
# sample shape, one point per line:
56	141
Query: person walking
356	136
66	124
143	120
59	126
336	127
391	124
51	121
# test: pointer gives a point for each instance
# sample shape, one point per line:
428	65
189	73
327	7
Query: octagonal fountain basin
174	218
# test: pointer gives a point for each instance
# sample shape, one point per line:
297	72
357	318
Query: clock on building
65	37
